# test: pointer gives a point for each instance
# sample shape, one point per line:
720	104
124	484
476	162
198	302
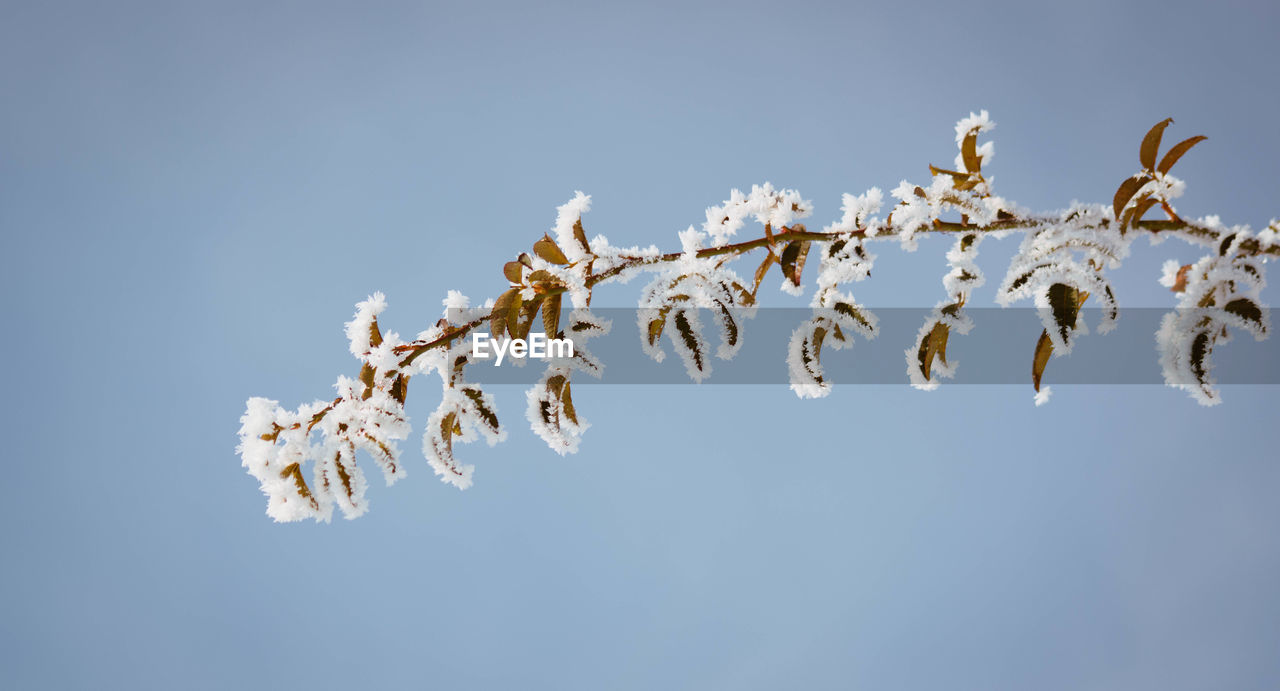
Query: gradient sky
194	196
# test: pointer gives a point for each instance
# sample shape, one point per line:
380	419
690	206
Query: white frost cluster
1221	291
671	304
976	124
767	205
859	212
836	317
465	414
277	444
1072	252
549	407
947	316
567	215
919	207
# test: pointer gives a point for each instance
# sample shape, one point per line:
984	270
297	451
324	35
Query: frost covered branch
1061	263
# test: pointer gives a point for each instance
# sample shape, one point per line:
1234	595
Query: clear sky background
194	196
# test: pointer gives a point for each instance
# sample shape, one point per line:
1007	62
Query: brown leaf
1141	208
969	152
501	307
513	314
1065	301
486	413
761	271
941	333
1127	189
1247	310
528	311
793	258
400	388
514	271
551	315
566	399
690	338
1171	157
1151	144
930	345
1180	281
580	235
549	250
1044	348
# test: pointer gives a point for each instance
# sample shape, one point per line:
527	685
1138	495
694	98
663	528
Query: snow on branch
306	459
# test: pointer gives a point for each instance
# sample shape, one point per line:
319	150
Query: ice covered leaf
1251	315
689	344
1219	292
672	302
804	364
464	415
793	258
1065	302
551	412
927	356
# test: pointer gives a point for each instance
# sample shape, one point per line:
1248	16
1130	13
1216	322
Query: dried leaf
1200	349
580	235
969	152
501	308
761	271
1065	301
1151	144
1247	310
1127	189
1171	157
566	399
528	311
482	409
551	315
1180	281
1044	348
1141	208
731	329
793	258
400	388
513	314
690	339
930	346
549	250
514	271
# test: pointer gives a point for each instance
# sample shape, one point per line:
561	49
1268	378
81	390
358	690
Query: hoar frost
306	459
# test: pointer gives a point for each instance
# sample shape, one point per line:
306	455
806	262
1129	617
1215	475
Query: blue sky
194	196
